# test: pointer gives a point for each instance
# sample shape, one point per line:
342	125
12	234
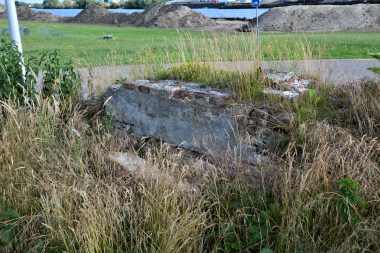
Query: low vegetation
60	193
375	70
131	45
245	85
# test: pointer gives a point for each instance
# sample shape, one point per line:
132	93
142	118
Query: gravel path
335	71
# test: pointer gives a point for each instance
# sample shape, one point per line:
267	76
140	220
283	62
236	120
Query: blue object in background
256	3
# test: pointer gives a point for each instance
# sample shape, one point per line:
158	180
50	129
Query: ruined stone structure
201	119
183	114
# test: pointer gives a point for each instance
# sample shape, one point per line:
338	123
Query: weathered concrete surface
201	119
182	114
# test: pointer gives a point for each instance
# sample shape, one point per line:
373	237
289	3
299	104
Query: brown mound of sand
95	14
166	16
162	15
363	17
25	13
172	16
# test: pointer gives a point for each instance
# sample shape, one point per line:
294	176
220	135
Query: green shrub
60	81
8	225
13	85
307	107
350	205
244	218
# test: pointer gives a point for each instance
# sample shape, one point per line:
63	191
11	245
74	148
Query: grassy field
83	44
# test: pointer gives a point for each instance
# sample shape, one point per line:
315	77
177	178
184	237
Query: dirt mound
171	16
166	16
363	17
25	13
93	14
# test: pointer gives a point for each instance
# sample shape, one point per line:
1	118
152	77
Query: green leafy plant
252	231
350	204
13	85
107	121
60	81
307	107
246	219
8	225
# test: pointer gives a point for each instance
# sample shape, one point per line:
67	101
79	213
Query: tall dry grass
70	197
226	50
60	192
307	184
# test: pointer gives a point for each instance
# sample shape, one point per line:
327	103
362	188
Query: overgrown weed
60	192
244	85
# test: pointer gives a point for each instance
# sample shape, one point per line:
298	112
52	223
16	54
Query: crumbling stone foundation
183	114
187	115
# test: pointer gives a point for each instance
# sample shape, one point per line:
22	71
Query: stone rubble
141	168
286	84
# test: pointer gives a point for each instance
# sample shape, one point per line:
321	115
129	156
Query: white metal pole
14	29
257	25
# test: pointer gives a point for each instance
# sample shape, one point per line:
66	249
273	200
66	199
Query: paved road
334	71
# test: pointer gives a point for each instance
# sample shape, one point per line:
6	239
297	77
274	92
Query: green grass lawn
84	45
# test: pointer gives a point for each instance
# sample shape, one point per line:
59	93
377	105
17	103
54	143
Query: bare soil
222	25
165	16
304	18
25	13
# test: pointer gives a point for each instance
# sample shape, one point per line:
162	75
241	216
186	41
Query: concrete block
183	114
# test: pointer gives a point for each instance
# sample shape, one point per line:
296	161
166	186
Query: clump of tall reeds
223	48
247	85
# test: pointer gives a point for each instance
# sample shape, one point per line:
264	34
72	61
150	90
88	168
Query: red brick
178	93
224	100
199	95
129	85
143	89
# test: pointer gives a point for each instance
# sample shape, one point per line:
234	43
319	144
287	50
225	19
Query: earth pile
25	13
305	18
